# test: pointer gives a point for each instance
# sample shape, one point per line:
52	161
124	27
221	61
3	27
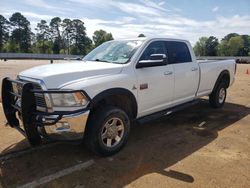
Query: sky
185	19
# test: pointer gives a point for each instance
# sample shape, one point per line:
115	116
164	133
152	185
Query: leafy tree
43	36
56	46
55	25
223	48
67	34
246	47
235	44
200	46
40	46
4	31
141	35
12	46
81	44
211	45
21	33
229	36
101	36
232	47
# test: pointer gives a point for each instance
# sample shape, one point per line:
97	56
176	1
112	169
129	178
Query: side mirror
158	56
155	60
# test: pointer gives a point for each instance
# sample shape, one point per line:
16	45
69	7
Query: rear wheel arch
120	97
224	76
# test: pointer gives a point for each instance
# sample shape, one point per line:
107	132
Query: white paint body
187	82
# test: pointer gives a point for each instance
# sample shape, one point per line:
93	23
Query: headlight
76	99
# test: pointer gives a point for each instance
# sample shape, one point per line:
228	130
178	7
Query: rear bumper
21	113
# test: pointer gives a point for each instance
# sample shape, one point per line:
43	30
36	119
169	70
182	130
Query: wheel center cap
112	132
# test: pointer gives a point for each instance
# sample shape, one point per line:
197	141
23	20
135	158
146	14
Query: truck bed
209	72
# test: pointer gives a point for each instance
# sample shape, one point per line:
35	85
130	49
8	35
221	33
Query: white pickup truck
97	99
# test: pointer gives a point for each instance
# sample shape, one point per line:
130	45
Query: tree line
69	37
232	44
56	37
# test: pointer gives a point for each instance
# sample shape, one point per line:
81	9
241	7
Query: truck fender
223	75
111	94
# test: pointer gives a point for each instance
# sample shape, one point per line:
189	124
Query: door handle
168	73
194	69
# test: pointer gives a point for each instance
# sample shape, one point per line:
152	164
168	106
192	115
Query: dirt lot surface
171	152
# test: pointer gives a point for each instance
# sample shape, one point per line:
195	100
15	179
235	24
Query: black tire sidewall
94	131
216	94
121	115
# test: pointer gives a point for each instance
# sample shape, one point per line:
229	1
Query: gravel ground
170	152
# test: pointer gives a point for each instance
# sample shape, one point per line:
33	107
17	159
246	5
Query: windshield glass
114	51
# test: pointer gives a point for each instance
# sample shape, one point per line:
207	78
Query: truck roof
153	38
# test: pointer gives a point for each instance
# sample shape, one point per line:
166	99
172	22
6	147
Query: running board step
166	112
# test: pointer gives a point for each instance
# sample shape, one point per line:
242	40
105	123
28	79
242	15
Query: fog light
62	127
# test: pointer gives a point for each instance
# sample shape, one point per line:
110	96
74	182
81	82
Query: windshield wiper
102	60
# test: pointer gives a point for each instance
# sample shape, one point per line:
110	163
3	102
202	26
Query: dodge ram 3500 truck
97	99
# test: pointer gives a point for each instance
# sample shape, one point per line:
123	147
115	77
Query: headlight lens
76	99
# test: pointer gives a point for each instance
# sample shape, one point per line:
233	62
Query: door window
156	47
178	52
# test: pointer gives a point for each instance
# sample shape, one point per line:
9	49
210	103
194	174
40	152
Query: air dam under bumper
34	124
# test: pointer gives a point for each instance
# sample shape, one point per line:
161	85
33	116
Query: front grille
40	99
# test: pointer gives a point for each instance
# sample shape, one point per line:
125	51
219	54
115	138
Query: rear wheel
218	96
107	130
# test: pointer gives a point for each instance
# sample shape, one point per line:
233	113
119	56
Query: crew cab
97	99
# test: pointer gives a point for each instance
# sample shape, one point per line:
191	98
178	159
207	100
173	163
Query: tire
106	124
218	96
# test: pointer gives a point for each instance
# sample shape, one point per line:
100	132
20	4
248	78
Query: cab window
178	52
156	47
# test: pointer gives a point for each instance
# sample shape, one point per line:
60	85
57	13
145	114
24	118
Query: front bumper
70	127
35	124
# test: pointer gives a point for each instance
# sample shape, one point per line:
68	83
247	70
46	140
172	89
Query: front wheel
218	96
107	130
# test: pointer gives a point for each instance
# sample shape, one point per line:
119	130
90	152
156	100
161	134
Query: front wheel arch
120	97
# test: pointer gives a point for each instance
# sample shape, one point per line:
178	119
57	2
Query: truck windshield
114	51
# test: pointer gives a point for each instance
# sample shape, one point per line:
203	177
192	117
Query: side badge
143	86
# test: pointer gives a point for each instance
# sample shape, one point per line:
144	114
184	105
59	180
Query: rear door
186	72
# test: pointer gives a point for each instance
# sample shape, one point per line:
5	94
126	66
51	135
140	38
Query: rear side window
178	52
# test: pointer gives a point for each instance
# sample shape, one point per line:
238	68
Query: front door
155	84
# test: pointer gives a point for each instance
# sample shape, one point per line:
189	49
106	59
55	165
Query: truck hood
59	74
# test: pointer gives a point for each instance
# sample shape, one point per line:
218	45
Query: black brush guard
28	107
31	118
